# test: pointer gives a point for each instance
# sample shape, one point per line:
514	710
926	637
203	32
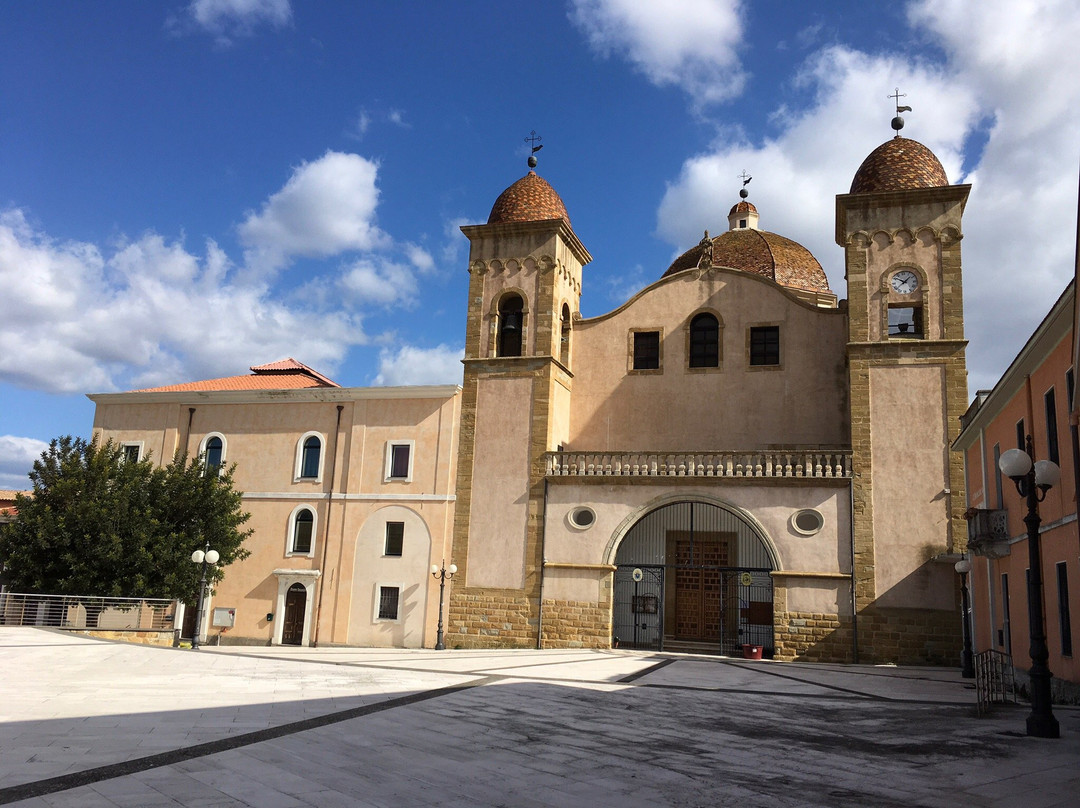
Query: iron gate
707	607
638	608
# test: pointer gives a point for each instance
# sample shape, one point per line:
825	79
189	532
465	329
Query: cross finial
533	139
745	177
898	122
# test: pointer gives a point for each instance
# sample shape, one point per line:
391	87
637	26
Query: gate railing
994	682
765	463
79	611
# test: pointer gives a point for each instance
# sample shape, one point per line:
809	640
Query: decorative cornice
305	395
946	194
558	227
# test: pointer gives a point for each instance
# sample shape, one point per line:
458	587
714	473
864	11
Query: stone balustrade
771	463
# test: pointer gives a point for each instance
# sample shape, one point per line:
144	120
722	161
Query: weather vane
745	181
532	140
898	122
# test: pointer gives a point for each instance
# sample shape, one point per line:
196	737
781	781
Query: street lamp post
207	558
441	574
967	660
1032	481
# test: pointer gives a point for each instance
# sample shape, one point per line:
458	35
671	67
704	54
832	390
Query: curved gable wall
733	407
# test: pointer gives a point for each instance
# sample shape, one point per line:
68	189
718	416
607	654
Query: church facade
732	461
731	458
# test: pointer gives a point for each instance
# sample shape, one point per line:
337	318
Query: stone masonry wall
576	624
491	618
896	636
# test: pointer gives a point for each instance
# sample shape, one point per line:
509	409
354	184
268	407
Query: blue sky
191	188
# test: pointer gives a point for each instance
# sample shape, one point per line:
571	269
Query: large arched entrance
693	576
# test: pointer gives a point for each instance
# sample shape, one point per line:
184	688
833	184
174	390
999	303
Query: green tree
99	524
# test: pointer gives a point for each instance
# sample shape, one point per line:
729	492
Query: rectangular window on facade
1005	637
1064	616
905	321
1074	432
765	345
131	452
395	538
388	602
646	350
997	476
1021	433
1051	426
399	460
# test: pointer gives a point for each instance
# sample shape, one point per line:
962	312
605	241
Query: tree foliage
99	524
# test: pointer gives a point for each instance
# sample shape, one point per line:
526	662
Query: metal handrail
994	680
86	612
770	463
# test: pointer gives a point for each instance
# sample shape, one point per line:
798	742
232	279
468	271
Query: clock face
905	282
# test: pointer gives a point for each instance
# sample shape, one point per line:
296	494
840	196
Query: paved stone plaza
96	725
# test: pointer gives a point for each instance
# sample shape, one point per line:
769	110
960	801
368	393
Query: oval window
807	521
582	517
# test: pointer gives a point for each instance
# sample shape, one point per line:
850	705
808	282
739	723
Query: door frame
286	578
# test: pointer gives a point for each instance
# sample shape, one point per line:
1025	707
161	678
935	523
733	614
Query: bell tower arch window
564	336
510	325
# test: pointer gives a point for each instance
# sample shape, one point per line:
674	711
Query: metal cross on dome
533	139
896	96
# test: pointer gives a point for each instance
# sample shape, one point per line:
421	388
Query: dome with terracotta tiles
530	199
741	207
758	252
900	164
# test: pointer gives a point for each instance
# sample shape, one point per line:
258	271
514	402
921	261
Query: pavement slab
89	723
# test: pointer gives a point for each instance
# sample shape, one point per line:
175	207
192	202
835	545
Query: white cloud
75	319
327	207
420	258
692	44
455	240
228	19
1009	70
412	365
17	456
366	118
375	281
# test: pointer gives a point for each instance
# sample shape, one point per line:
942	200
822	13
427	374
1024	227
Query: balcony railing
771	463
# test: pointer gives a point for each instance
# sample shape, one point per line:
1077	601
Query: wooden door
292	633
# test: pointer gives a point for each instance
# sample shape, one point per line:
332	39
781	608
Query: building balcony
771	463
988	532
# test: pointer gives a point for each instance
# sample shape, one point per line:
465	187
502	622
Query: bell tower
525	270
900	227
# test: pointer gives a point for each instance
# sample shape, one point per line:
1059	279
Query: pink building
1034	397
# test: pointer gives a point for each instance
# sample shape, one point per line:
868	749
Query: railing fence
994	681
80	611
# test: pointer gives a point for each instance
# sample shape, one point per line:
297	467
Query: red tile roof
530	199
288	374
761	253
900	164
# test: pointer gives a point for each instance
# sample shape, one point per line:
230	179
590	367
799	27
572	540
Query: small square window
765	345
395	538
646	350
399	460
388	602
